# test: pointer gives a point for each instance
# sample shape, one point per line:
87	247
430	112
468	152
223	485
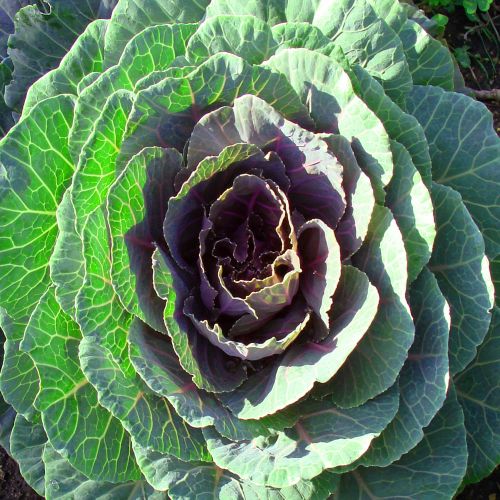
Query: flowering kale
245	253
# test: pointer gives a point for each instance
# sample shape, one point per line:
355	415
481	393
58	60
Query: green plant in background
471	7
248	250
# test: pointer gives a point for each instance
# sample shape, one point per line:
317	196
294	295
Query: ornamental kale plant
246	252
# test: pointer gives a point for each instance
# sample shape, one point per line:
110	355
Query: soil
483	74
482	42
12	484
487	489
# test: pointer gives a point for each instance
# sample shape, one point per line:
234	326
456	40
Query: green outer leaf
364	37
478	390
41	40
411	204
8	10
66	262
424	378
136	206
96	168
157	76
130	17
26	445
245	36
465	151
461	268
7	417
86	81
200	480
377	360
19	381
92	440
35	170
105	362
294	374
63	482
430	62
166	113
153	49
333	105
392	11
324	437
433	469
84	57
400	126
296	35
90	184
271	11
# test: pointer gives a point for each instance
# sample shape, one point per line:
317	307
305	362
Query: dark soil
480	42
487	489
482	74
12	484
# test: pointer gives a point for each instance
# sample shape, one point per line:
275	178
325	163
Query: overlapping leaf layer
245	252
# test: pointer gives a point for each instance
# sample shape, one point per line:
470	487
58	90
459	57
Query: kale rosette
246	251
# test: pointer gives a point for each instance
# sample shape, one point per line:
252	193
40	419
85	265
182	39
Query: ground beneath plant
482	75
12	484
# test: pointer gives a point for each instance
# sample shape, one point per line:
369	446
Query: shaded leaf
433	469
27	443
461	268
465	152
478	392
91	439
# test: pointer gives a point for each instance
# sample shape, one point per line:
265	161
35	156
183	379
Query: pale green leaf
92	440
296	35
66	262
430	62
130	17
27	443
199	480
334	106
478	390
411	204
42	39
19	380
431	470
136	206
360	200
85	56
324	437
35	170
424	377
364	37
461	268
378	358
166	113
245	36
401	126
270	11
465	152
104	358
154	49
63	482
